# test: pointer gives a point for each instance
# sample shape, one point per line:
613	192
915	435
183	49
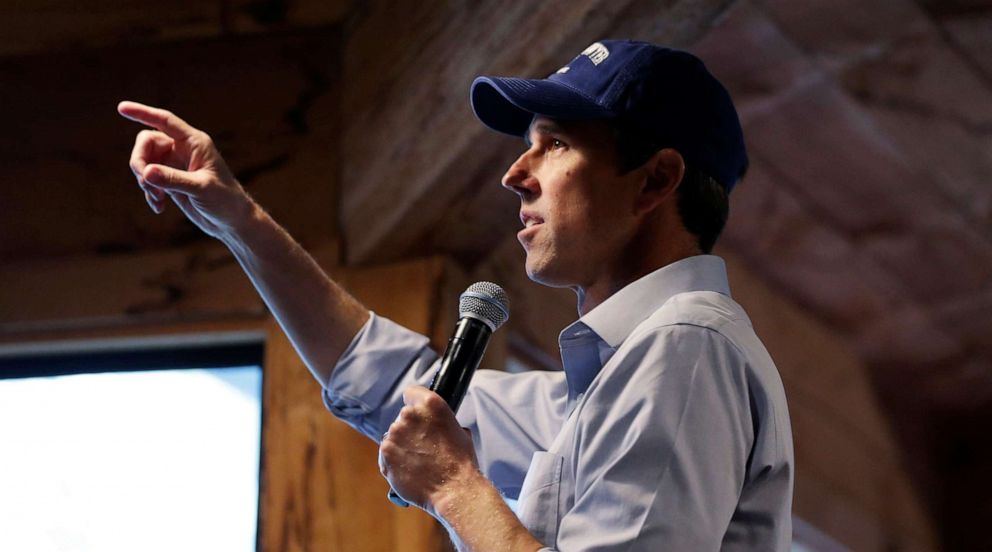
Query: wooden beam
202	282
197	283
60	25
412	148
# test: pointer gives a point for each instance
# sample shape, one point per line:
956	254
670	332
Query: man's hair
703	204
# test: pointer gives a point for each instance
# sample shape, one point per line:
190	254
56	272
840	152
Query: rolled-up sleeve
366	387
365	390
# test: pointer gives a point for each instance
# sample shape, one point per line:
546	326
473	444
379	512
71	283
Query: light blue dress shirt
667	430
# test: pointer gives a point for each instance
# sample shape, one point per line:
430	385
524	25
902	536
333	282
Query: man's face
577	209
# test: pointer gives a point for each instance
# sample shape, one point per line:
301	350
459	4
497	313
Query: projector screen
156	460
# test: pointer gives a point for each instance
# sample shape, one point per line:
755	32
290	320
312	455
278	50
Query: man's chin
544	275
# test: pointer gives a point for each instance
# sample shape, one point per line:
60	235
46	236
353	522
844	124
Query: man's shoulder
699	322
705	322
703	309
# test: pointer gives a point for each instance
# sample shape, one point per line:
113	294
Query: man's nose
518	178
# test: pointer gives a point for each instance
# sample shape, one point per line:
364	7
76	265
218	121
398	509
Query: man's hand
425	452
181	162
430	461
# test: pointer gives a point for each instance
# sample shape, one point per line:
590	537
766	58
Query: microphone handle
460	361
462	357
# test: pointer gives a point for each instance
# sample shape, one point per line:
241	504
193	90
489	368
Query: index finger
156	118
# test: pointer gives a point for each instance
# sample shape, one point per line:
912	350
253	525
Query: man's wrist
243	222
477	516
450	499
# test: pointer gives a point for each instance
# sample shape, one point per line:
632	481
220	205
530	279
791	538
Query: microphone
482	308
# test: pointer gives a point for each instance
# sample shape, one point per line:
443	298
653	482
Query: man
668	428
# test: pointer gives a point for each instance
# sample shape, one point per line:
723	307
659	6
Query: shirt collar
589	342
614	319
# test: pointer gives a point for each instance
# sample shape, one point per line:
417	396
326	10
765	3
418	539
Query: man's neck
590	297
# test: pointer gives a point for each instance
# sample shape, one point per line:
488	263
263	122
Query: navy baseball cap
666	94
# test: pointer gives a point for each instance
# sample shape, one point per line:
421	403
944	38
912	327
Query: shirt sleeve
663	446
510	415
365	390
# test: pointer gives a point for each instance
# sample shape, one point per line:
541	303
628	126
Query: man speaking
668	428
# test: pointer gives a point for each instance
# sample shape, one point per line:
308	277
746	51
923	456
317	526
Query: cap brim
508	105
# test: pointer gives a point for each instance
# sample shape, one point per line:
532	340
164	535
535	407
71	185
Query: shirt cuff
365	389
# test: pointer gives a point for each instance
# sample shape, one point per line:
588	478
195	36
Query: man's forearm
318	316
479	520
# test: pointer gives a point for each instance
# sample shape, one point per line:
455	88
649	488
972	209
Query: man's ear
663	174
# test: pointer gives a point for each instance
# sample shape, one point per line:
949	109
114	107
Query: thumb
415	394
170	179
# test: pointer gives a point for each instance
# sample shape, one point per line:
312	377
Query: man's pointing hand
181	162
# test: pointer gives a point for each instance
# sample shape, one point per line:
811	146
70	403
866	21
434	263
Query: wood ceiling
869	125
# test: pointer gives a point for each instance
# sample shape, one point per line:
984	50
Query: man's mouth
530	220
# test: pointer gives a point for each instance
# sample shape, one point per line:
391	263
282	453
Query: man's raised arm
178	162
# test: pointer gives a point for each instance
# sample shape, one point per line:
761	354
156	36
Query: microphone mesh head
485	301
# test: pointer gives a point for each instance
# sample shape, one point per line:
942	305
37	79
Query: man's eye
557	144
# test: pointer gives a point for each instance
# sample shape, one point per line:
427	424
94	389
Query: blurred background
860	242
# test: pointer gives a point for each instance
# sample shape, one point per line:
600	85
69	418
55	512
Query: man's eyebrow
544	126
